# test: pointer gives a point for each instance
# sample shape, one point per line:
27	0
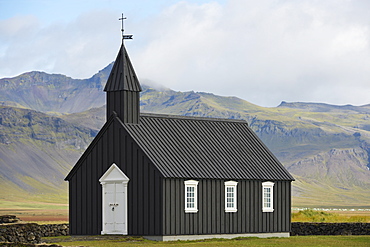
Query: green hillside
36	152
325	147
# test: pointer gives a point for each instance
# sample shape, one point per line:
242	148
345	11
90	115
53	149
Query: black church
169	177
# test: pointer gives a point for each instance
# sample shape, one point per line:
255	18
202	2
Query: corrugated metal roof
123	76
189	147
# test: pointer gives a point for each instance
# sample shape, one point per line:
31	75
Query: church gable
114	158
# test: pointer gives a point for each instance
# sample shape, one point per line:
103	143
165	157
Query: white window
268	197
230	196
191	196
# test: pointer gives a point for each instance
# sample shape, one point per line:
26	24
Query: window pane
230	195
190	196
268	197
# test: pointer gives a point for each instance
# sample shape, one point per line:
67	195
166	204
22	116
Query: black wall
114	145
212	218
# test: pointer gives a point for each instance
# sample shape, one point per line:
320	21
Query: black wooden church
170	177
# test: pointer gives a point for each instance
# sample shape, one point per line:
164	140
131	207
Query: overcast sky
263	51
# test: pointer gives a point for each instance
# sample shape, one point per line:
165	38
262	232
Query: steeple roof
123	76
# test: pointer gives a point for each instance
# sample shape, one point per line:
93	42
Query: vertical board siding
125	104
211	217
83	197
72	206
94	187
89	198
254	207
144	187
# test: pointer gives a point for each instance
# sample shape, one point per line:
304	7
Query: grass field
294	241
39	212
33	207
332	216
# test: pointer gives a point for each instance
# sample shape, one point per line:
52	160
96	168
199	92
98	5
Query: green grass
309	215
292	241
31	209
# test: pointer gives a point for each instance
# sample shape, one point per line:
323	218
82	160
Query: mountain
325	147
321	107
37	150
54	93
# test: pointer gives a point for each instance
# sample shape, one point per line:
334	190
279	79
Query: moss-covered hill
325	147
36	152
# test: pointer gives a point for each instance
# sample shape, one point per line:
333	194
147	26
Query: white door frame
114	175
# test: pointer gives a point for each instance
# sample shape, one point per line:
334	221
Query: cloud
263	51
74	48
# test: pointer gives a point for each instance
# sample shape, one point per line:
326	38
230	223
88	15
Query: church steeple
123	87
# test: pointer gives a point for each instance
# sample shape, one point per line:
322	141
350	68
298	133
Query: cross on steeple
123	30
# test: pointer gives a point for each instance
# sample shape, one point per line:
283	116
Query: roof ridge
170	116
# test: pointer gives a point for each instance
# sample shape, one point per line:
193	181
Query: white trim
226	236
231	184
270	208
191	184
108	176
114	175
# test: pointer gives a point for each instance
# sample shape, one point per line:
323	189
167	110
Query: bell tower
123	87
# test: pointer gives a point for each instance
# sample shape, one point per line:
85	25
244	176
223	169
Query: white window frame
191	184
270	207
231	184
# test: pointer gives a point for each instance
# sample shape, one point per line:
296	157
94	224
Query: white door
114	187
114	222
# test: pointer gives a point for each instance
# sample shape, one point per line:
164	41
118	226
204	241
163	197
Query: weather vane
123	30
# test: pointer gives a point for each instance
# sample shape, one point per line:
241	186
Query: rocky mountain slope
36	151
54	93
325	147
